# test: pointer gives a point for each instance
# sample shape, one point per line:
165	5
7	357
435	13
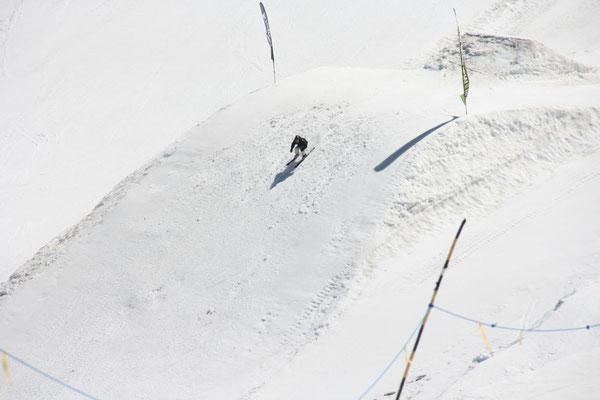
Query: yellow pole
6	370
435	292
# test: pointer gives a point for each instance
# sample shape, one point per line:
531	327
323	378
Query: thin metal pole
435	292
274	79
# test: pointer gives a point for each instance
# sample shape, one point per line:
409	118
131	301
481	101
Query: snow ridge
511	149
53	250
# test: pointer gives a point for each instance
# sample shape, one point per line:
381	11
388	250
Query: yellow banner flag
463	67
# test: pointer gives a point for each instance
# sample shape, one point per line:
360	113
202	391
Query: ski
303	158
292	160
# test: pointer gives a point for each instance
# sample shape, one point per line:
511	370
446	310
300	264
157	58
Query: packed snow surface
215	271
93	89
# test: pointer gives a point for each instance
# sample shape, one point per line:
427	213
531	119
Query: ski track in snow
508	16
5	28
479	242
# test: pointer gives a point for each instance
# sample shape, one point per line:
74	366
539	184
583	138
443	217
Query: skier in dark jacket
301	145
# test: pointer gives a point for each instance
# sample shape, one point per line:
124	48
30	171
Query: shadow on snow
386	163
283	175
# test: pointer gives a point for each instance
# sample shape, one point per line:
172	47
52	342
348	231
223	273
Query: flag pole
435	292
463	67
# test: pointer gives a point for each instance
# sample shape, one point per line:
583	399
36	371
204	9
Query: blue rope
17	359
579	328
395	358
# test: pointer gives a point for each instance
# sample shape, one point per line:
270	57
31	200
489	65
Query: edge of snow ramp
478	161
50	252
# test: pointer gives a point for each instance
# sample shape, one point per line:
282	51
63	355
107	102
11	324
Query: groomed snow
93	89
215	271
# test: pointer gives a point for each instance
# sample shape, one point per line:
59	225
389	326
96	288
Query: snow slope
93	89
214	271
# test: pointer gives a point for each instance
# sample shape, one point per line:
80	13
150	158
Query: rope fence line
381	375
475	321
510	328
39	371
385	370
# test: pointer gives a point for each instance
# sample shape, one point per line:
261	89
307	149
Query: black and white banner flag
269	39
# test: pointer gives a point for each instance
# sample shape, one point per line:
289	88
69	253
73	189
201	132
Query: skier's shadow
283	175
392	157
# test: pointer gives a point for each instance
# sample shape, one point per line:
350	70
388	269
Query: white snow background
155	245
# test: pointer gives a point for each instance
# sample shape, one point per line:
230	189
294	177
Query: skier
301	145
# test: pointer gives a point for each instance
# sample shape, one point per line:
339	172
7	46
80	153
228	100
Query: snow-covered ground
214	271
92	89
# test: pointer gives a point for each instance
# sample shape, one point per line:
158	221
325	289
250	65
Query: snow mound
509	58
471	165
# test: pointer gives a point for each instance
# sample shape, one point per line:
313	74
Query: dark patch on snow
391	158
282	176
560	303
